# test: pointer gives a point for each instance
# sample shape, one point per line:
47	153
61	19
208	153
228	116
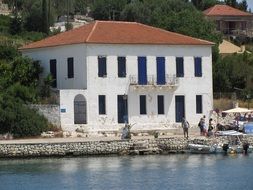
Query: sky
250	4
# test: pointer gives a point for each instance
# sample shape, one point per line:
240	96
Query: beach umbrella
238	110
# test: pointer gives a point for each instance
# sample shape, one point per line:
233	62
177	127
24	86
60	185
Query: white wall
61	54
111	86
67	104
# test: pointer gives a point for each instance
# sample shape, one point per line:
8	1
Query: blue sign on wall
63	110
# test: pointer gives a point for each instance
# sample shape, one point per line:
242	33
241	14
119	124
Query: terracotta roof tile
225	10
116	32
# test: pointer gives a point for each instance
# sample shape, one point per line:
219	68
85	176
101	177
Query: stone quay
167	145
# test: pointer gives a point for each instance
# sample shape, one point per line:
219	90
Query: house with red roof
109	73
231	21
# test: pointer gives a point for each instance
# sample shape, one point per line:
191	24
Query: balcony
237	32
171	81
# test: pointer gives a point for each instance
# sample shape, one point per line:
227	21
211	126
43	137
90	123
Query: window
70	67
180	66
198	66
160	104
142	71
101	104
121	66
53	72
101	66
199	104
143	109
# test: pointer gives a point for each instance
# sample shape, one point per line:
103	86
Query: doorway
122	109
80	107
180	108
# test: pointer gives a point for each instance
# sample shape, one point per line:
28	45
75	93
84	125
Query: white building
110	72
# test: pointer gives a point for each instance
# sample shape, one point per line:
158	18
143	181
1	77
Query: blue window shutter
180	66
142	71
198	66
160	69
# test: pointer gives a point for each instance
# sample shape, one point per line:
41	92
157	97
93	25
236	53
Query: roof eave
170	44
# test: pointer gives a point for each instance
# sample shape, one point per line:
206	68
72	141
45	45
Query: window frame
198	72
54	78
101	104
102	66
120	73
70	64
143	105
199	105
160	110
178	69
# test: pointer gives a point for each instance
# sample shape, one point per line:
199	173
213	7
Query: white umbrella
238	110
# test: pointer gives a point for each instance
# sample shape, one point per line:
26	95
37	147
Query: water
126	173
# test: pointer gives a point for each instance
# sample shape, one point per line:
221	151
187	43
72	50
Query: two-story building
231	21
112	72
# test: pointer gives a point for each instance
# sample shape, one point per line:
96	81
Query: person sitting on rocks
126	132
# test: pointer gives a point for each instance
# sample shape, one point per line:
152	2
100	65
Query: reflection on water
137	172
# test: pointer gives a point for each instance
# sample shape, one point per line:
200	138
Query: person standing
210	128
185	126
202	126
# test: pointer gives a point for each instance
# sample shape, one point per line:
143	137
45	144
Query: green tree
44	17
204	4
15	25
243	5
232	3
178	16
80	6
108	9
233	71
33	17
26	71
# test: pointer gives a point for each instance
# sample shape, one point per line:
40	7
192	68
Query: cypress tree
45	26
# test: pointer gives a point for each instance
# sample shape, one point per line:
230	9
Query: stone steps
144	148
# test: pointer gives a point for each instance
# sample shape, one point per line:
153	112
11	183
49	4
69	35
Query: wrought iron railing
170	80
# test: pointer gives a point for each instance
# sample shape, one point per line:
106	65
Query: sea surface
185	171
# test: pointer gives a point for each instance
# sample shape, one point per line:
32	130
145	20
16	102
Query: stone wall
143	146
51	112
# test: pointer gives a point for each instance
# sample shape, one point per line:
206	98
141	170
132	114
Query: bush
68	26
33	36
28	123
8	52
4	23
18	119
25	71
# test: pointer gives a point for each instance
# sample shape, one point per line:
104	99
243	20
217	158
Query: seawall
105	147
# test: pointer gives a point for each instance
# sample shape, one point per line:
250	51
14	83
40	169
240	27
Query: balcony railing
170	80
238	32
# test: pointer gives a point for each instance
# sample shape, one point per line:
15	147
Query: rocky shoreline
107	147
